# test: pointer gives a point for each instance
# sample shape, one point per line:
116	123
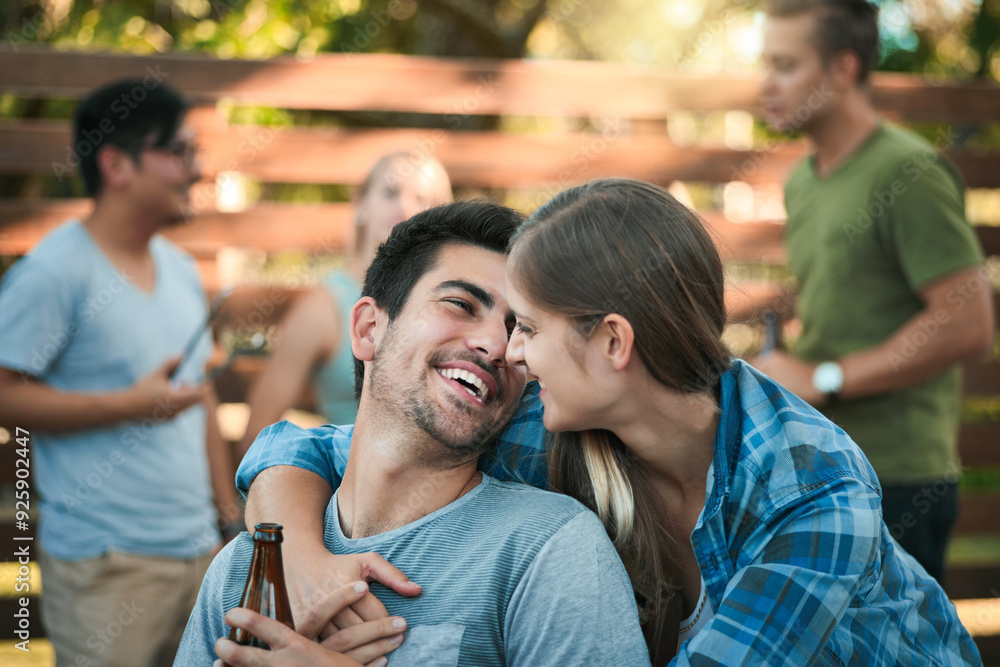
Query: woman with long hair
749	524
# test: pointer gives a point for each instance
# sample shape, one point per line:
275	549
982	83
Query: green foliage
980	480
935	37
264	29
980	409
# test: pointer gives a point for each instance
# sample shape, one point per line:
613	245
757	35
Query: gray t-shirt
512	575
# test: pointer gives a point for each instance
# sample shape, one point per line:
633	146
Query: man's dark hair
839	25
131	114
413	247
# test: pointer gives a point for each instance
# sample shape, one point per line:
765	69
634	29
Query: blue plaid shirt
797	563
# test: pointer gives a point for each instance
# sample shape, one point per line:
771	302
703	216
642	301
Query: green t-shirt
862	242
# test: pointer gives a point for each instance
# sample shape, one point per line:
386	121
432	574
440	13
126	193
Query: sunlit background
937	39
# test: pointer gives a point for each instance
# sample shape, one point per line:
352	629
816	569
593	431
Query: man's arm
575	605
956	325
310	334
31	403
39	317
297	498
220	465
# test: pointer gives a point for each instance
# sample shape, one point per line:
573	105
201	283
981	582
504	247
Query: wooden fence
589	120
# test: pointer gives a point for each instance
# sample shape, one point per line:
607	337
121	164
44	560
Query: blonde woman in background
313	335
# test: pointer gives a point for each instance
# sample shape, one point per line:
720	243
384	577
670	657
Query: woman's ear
365	320
617	339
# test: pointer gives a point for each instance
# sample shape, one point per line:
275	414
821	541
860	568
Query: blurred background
716	155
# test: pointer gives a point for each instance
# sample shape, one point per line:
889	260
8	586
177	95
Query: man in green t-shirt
891	291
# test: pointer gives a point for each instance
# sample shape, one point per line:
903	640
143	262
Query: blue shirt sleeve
37	319
574	605
518	456
322	451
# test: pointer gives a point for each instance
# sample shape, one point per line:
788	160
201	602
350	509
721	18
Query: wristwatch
828	378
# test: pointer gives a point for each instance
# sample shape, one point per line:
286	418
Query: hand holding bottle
364	644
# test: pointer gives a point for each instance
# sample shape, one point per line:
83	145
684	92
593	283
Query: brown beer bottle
772	332
265	591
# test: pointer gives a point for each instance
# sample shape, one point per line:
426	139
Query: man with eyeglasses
92	327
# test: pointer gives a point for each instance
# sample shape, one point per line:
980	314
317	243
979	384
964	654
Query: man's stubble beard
415	406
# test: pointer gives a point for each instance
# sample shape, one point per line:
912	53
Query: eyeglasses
185	151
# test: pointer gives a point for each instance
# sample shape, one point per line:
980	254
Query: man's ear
617	340
366	320
844	68
115	166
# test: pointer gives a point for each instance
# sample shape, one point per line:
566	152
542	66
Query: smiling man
92	325
511	575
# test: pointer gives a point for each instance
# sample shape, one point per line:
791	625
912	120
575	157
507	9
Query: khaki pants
118	610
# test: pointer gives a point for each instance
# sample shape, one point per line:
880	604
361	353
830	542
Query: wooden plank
989	649
763	241
979	444
457	87
233	385
252	308
972	581
982	378
311	227
324	227
978	514
752	241
482	159
271	226
990	238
